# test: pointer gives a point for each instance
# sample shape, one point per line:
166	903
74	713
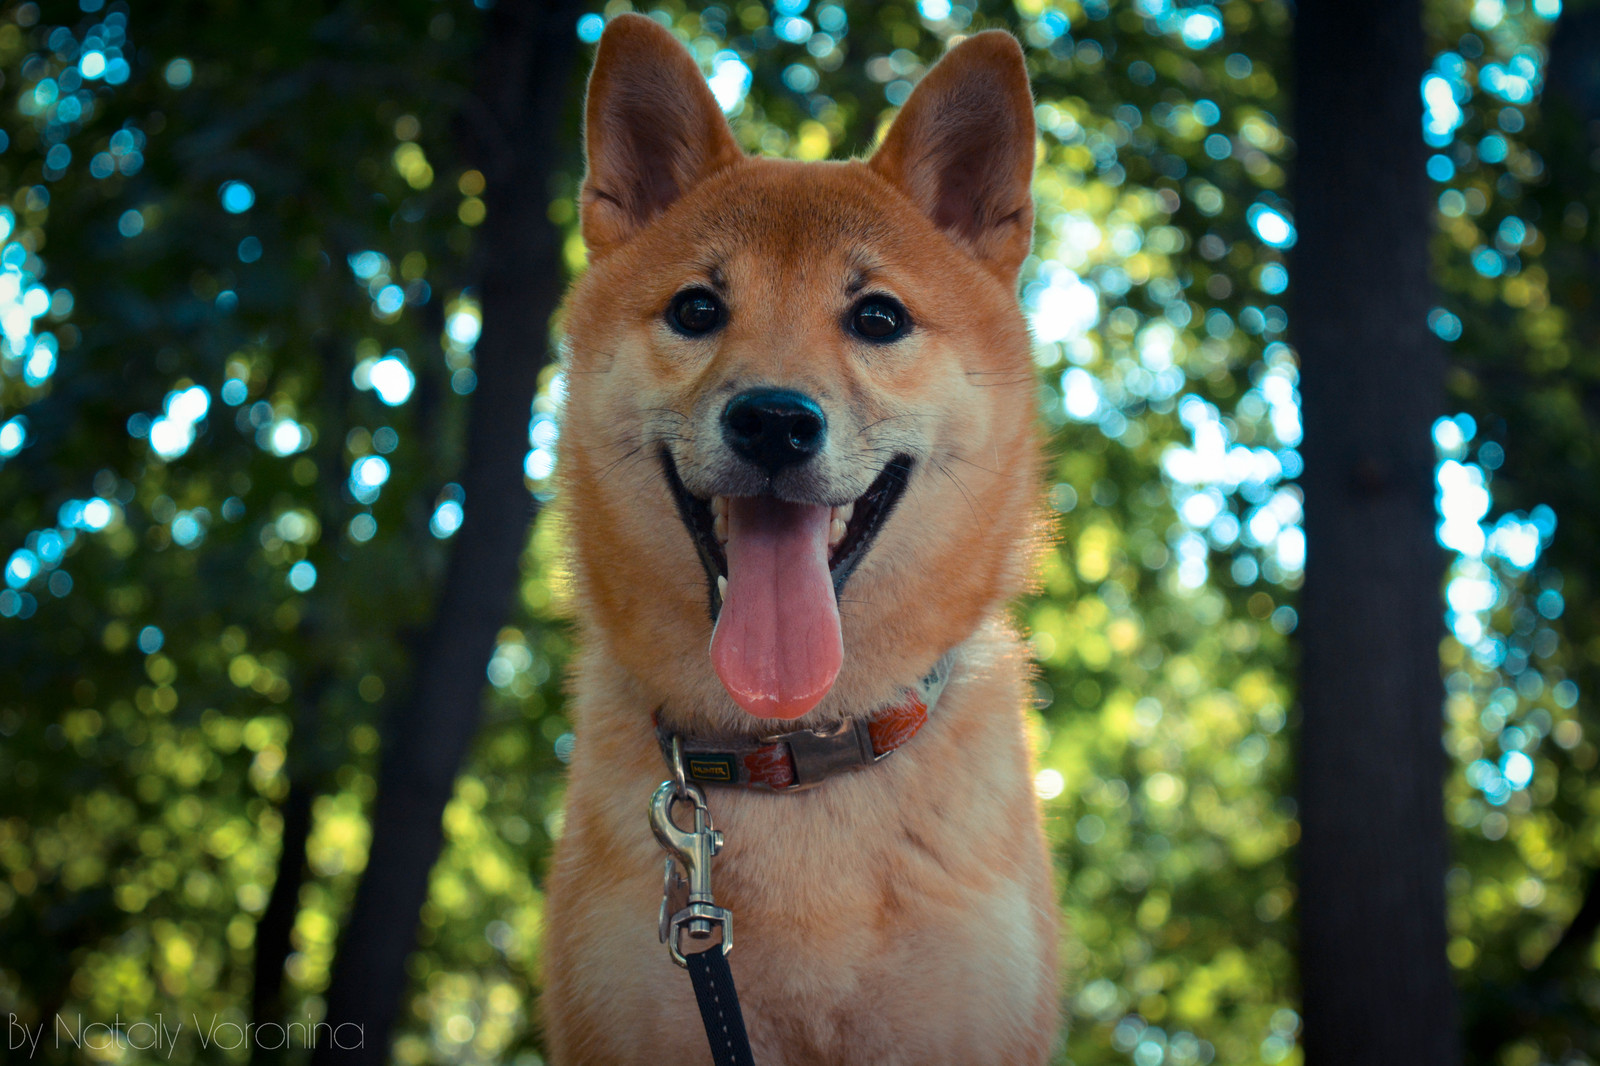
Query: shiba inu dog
800	460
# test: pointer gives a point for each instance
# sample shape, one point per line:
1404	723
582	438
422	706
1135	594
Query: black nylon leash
719	1008
692	850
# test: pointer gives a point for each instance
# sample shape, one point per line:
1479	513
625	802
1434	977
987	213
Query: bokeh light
237	197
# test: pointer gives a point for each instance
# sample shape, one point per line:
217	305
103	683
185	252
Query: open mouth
851	528
775	569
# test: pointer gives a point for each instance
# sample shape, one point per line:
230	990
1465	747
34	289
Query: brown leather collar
789	762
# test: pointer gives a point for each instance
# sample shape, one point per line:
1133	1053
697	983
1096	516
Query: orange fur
902	914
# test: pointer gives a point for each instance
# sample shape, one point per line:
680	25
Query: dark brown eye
879	318
695	311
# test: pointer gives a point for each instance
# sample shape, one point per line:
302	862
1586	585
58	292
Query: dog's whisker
961	487
975	466
879	422
606	471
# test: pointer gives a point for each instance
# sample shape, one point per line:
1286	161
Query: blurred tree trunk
308	753
275	927
1377	987
514	134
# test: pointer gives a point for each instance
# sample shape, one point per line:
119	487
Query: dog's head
800	423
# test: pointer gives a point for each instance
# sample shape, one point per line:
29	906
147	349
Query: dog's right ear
652	130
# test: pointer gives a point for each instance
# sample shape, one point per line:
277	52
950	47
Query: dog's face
800	423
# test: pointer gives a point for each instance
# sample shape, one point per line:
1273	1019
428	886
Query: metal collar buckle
692	849
820	753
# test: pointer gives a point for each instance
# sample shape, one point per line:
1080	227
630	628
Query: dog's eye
878	318
695	311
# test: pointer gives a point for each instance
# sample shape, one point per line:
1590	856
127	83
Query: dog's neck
805	758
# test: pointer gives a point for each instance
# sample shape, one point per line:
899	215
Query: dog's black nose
774	428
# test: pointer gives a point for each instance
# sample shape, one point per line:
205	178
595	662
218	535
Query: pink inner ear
643	162
975	177
965	200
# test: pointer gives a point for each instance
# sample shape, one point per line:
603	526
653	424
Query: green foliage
235	608
1515	256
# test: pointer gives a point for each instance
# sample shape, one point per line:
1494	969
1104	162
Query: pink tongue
777	646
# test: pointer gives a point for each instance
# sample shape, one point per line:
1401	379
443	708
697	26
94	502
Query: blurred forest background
274	287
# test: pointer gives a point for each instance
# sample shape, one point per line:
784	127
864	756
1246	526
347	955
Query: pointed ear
962	148
652	129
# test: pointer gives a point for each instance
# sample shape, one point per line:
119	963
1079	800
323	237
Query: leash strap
719	1008
692	849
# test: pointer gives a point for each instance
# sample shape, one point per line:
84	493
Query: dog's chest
872	962
898	914
865	933
894	975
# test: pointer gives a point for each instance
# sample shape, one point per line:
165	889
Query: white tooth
722	587
719	526
845	513
719	505
835	531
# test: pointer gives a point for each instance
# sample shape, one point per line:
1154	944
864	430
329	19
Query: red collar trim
789	762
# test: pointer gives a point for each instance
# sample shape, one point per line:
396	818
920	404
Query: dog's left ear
963	147
652	130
